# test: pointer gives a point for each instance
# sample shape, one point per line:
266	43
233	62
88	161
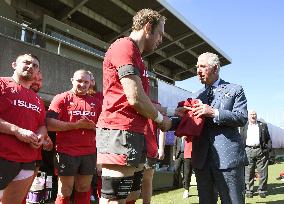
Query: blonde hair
145	16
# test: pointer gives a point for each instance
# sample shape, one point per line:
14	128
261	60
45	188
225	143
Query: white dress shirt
253	135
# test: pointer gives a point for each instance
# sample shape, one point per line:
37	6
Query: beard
25	75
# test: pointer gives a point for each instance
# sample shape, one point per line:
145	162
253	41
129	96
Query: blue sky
251	32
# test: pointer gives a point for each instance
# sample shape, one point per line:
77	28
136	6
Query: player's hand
166	124
47	143
161	154
26	135
181	111
85	123
203	110
38	143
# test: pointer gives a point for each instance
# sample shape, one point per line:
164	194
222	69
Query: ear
14	65
71	79
215	69
148	28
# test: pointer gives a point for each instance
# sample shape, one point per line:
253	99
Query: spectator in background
22	129
258	146
73	115
218	155
182	158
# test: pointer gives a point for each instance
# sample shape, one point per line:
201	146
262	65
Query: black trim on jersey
127	70
52	114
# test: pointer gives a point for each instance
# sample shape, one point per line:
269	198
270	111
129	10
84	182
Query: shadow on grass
276	188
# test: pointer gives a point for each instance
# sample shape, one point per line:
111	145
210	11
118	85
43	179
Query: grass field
275	192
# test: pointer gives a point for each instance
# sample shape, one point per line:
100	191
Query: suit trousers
257	160
228	183
187	171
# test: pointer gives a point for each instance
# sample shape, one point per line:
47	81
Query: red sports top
71	108
116	111
24	108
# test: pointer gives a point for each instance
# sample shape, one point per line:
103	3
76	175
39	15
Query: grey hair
212	59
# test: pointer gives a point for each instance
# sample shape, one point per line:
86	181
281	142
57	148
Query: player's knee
65	191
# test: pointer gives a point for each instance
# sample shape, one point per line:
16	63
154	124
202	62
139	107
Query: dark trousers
257	160
187	171
227	183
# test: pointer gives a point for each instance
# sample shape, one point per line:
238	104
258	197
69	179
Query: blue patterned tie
210	95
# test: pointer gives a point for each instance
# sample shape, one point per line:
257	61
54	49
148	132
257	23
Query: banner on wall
169	96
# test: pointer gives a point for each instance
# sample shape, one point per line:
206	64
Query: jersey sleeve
42	121
124	53
56	105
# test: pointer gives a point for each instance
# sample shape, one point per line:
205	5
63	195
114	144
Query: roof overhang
175	58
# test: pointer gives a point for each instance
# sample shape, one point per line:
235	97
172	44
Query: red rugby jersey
24	108
116	111
71	108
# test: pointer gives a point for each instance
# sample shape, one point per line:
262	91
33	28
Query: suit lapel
218	94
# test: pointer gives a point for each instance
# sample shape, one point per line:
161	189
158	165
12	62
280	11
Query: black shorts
120	147
67	165
9	170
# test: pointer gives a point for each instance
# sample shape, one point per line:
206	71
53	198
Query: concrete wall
57	70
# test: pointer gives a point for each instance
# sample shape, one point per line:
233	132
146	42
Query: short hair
81	71
144	16
212	59
28	54
91	74
252	111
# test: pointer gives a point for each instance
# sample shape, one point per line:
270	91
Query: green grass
275	192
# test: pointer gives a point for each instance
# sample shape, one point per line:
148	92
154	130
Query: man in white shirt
258	146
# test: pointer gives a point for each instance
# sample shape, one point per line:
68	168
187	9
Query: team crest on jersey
93	104
14	90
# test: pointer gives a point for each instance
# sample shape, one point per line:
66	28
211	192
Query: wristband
159	118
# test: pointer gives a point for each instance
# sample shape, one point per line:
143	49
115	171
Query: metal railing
26	34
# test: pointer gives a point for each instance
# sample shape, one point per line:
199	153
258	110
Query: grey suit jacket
221	139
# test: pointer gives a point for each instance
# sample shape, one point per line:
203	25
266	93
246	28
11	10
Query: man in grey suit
218	155
258	146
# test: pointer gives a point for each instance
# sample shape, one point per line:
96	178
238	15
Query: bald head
81	82
252	116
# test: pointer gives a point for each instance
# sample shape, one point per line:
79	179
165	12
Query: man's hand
161	154
47	143
174	158
38	143
85	123
26	135
166	124
203	110
181	111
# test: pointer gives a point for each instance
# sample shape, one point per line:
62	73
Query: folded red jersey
189	125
